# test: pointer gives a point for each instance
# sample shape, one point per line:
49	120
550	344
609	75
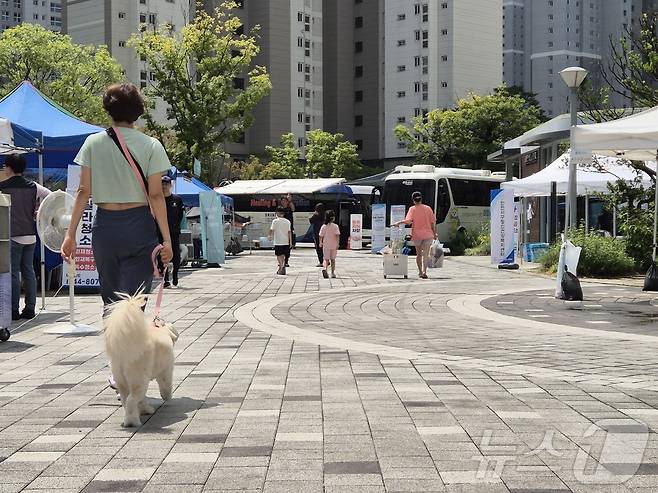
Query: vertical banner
378	227
517	229
196	168
398	213
502	226
356	231
212	227
86	274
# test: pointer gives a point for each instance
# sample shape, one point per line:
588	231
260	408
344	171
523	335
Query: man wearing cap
175	212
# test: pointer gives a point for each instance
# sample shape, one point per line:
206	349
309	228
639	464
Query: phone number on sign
87	282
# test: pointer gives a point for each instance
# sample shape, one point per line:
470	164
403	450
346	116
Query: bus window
443	202
398	192
473	193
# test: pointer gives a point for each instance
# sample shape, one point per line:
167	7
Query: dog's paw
131	423
146	409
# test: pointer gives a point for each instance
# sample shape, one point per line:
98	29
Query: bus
258	199
459	197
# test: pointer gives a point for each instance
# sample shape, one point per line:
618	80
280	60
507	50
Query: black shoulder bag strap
115	139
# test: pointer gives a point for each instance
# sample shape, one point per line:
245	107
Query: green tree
251	169
206	77
330	155
466	135
74	76
529	97
284	160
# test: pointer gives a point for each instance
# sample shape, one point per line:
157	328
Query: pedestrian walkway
356	384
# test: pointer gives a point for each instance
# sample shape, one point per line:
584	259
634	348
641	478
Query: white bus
459	197
258	199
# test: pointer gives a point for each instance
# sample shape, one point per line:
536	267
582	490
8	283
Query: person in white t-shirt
281	233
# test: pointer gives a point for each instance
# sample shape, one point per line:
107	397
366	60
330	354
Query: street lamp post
573	78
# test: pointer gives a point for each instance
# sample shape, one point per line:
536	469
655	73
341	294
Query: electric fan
53	220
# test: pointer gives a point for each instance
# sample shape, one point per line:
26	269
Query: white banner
86	274
502	226
517	229
356	231
378	227
398	213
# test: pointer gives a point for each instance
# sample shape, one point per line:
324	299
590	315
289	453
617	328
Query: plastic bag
436	255
571	290
386	250
651	278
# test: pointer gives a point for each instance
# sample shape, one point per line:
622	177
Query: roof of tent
372	180
33	115
284	186
591	178
633	137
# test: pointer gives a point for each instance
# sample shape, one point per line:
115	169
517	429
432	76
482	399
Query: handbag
651	278
117	138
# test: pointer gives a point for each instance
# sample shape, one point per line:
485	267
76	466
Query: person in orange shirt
423	231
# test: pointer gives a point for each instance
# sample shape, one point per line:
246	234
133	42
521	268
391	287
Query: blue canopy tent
55	136
189	189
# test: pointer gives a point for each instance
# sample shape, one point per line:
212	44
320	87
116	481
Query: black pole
554	208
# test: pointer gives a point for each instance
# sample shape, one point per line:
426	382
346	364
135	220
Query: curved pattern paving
428	322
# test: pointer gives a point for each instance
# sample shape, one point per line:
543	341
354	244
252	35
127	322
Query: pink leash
156	274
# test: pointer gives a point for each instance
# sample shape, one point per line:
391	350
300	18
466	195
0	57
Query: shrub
461	242
482	244
637	229
600	257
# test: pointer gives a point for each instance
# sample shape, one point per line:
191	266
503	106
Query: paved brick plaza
355	384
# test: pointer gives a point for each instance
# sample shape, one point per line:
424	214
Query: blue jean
22	266
123	242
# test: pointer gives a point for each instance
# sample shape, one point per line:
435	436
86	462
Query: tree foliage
466	135
74	76
331	156
206	77
284	160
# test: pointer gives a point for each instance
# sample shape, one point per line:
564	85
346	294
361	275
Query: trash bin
5	268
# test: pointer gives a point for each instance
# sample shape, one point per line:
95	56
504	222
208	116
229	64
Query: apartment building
392	61
543	37
44	12
111	23
291	47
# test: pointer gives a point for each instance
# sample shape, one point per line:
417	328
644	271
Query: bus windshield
398	192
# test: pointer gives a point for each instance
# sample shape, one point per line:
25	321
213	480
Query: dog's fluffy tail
126	330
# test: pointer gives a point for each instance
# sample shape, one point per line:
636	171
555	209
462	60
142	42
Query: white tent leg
42	248
655	215
586	213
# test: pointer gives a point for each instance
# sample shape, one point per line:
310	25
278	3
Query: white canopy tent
633	137
279	187
593	177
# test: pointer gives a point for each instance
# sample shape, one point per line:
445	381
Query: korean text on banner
378	227
502	227
398	213
86	274
356	231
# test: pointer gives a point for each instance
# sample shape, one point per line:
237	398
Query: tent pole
655	214
586	213
614	221
42	248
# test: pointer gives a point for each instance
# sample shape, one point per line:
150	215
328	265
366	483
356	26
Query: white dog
138	352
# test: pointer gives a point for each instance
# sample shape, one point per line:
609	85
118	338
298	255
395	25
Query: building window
358	22
55	7
444	84
300	117
402	42
444	32
359	144
122	15
416	86
402	68
153	19
300	42
401	94
300	92
444	5
402	145
17	4
300	142
142	75
240	3
402	119
417	112
444	58
300	67
416	61
358	71
143	2
358	120
358	96
238	83
300	16
4	16
142	18
358	47
402	17
417	35
417	9
35	17
122	44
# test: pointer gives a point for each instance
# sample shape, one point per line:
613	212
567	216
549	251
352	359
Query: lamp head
573	77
